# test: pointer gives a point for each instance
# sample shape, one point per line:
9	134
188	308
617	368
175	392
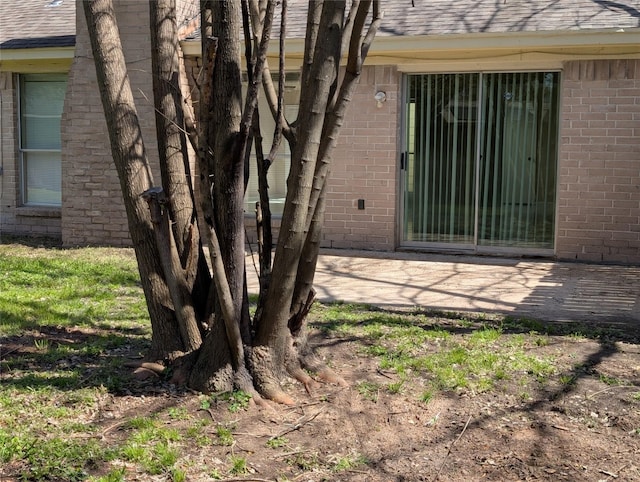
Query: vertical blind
279	170
481	159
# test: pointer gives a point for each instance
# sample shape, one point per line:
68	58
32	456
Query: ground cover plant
431	395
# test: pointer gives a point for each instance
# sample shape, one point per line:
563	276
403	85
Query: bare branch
348	24
261	56
279	118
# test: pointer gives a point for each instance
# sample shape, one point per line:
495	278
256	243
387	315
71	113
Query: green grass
225	435
76	314
67	288
478	361
238	465
349	462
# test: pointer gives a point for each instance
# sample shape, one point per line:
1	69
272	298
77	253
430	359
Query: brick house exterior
594	51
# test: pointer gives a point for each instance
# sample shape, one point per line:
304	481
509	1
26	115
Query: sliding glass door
479	166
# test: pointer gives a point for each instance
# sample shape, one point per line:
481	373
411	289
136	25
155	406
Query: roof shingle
37	23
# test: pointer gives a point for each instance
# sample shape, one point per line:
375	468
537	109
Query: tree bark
174	165
130	160
223	176
272	335
174	274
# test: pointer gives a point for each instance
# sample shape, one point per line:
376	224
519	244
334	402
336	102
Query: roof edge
540	40
40	53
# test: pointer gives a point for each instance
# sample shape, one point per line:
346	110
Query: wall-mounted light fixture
380	97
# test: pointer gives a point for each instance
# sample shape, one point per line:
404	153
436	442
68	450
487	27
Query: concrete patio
541	289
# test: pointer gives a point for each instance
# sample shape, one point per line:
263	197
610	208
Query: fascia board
32	54
385	48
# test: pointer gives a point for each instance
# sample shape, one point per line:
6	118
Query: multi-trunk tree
200	316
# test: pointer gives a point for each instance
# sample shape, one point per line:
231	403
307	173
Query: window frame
477	246
292	87
23	152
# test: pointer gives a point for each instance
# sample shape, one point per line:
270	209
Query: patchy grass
413	345
69	409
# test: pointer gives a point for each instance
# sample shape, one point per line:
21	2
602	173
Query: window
480	160
279	170
41	102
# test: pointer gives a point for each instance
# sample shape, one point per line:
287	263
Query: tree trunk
233	353
273	339
173	151
226	170
130	160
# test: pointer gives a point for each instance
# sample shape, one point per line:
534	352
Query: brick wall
16	219
92	207
364	167
599	165
599	178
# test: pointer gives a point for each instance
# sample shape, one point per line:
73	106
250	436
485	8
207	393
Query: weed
237	400
607	380
542	341
161	458
567	380
41	344
139	423
58	459
195	434
225	437
116	475
426	396
277	442
395	387
133	452
349	462
500	374
178	475
305	461
238	465
485	336
178	413
368	390
215	474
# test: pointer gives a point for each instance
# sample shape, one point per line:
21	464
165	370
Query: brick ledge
39	212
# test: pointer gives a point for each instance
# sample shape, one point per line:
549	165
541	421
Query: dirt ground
585	429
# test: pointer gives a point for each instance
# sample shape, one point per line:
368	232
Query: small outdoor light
380	97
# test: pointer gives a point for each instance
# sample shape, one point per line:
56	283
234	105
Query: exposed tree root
308	360
141	373
259	377
329	376
156	368
264	378
303	377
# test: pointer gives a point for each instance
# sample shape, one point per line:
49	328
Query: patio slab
540	289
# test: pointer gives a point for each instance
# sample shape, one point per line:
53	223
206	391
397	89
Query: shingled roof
51	23
37	23
455	17
441	17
